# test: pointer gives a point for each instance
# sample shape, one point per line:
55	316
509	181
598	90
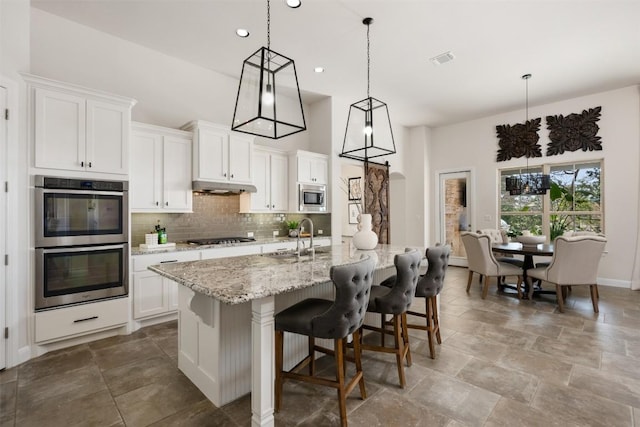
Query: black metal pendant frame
268	70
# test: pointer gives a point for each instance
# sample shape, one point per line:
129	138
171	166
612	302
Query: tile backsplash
217	216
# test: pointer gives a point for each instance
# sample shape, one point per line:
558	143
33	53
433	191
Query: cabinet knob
224	174
82	164
157	203
231	175
166	203
89	164
273	206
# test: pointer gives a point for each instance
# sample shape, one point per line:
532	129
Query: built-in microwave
312	198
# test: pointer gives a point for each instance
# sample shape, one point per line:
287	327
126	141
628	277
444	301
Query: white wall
14	58
475	144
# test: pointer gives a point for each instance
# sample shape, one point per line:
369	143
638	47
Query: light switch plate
249	233
320	232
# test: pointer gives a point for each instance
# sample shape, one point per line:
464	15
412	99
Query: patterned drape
376	198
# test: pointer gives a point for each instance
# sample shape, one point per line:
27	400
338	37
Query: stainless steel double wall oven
81	240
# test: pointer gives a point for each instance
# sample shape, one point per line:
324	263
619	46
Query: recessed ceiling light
442	58
319	70
293	3
241	32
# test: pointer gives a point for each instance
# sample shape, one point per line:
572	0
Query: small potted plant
293	228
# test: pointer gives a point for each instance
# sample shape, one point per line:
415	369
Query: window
574	202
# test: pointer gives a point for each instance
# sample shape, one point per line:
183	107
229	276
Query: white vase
365	238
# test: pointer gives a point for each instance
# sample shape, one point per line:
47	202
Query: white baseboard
614	283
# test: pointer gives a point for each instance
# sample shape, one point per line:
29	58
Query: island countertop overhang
242	279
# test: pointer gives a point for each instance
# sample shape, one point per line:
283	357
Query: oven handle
95	192
80	248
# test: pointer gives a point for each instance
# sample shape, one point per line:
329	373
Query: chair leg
436	318
279	344
560	299
311	343
358	360
485	288
342	402
430	317
594	297
399	349
518	287
405	337
469	280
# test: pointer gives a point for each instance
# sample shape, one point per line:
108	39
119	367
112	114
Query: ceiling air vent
442	58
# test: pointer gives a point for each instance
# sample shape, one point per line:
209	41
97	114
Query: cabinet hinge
6	114
6	259
6	333
6	186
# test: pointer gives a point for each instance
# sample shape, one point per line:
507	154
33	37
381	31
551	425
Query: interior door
455	212
3	268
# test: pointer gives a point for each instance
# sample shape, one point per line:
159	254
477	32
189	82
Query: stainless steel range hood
223	187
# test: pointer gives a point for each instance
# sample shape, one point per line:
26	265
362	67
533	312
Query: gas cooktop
220	240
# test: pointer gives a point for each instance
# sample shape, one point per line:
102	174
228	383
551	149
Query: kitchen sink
304	254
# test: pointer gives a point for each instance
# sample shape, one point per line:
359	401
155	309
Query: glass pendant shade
368	134
269	102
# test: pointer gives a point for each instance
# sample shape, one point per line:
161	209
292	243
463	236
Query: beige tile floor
503	362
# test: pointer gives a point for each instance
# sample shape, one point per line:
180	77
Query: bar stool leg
338	353
279	344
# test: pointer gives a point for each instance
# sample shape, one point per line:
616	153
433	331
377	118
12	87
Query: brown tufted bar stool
395	301
320	318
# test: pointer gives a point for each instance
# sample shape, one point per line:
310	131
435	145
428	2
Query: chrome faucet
311	249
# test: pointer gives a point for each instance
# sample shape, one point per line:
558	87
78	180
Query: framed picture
355	192
354	211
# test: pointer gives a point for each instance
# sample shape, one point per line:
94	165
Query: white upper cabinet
311	167
78	129
220	154
161	172
270	179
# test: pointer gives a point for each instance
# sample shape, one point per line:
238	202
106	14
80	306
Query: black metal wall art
519	140
574	132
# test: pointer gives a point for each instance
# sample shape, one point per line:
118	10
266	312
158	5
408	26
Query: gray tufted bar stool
336	320
428	287
395	301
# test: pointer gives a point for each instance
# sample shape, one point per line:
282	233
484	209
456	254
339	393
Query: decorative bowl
531	240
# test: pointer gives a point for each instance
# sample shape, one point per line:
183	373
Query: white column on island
262	366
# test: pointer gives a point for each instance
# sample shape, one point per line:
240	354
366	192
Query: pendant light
368	134
528	183
269	102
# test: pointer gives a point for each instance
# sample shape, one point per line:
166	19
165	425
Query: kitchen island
226	317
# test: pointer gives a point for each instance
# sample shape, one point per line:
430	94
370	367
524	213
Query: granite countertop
135	250
241	279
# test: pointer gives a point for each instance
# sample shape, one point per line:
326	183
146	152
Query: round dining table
528	251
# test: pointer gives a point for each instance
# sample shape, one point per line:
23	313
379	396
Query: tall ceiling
571	47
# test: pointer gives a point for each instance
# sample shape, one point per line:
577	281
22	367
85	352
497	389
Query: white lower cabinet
154	295
78	320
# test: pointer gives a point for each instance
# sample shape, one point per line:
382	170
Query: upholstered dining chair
395	301
481	260
336	320
575	262
428	287
500	236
